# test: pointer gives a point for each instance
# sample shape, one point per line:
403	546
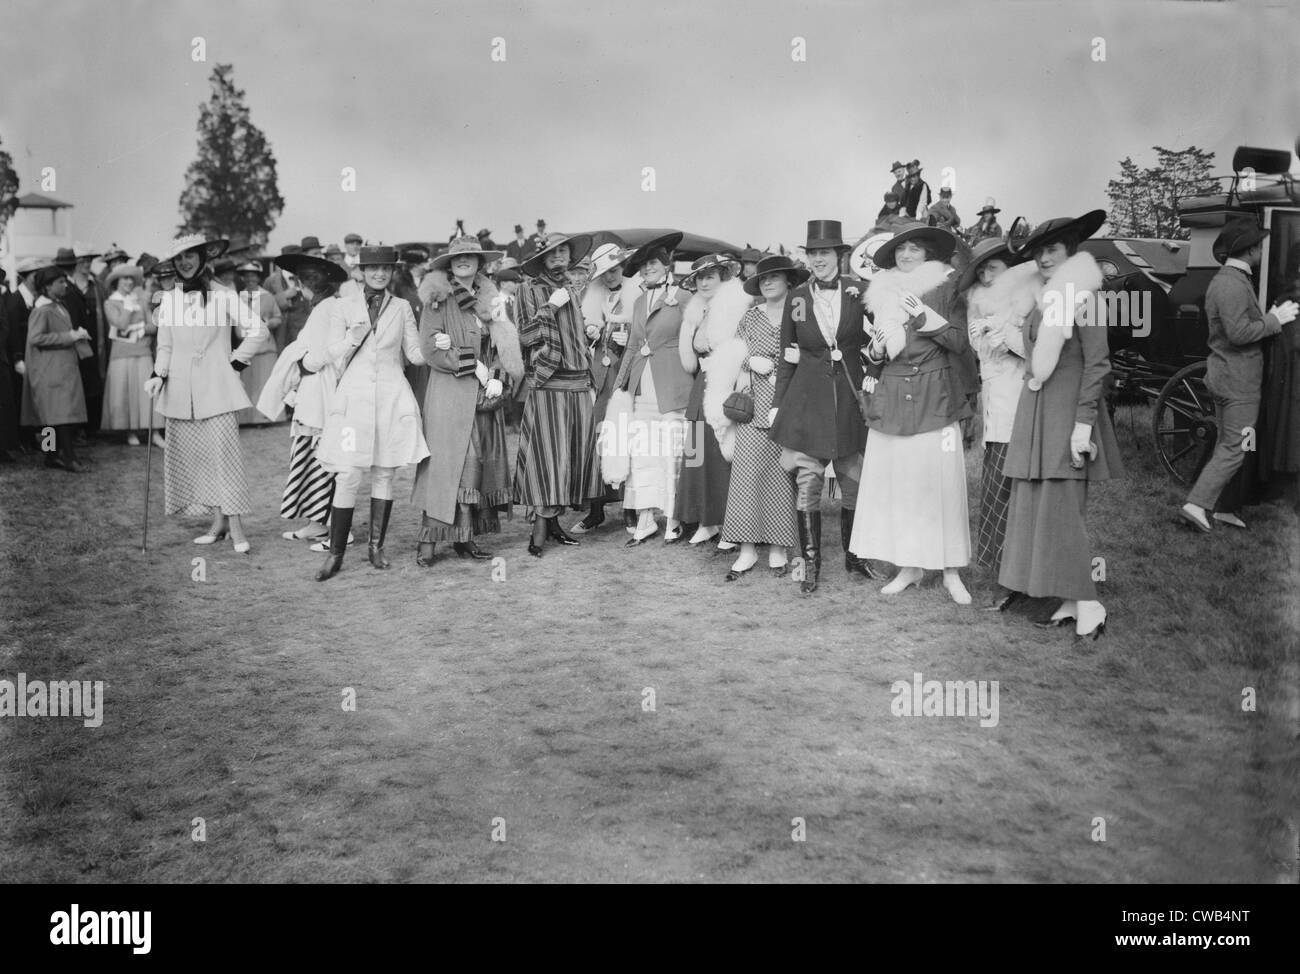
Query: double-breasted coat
374	419
52	394
657	329
816	398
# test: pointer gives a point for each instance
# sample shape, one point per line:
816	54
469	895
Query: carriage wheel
1182	423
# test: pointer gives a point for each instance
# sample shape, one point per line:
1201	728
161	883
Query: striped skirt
556	465
309	490
995	495
204	468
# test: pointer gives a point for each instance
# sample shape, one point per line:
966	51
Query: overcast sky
746	143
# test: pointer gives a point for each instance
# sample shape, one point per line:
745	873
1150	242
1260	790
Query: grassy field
519	705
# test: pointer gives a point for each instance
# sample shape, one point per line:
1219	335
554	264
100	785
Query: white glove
442	341
357	332
481	373
593	332
493	389
619	337
1080	443
911	304
20	367
760	364
791	355
559	298
153	386
1285	312
771	416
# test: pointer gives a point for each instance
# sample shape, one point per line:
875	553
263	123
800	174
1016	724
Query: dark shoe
852	563
732	574
541	525
1002	600
593	520
634	541
630	519
468	549
535	550
558	534
340	525
810	542
379	511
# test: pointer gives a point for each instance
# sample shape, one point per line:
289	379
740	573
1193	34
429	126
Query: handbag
739	407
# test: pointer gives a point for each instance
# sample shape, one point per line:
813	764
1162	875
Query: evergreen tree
230	189
1143	201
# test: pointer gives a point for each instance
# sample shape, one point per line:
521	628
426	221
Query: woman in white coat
374	420
196	380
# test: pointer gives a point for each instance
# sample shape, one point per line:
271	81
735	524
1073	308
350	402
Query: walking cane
148	468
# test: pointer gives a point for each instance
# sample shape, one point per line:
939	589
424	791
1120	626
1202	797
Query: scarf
538	314
465	298
374	302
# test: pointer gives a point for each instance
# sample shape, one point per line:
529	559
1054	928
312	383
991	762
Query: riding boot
810	540
852	563
379	511
340	525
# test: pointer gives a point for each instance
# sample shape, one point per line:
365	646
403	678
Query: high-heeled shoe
558	534
1091	623
700	536
241	547
735	573
904	578
210	538
672	535
468	549
639	539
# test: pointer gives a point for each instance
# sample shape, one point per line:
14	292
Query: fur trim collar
888	286
505	339
1078	276
725	309
1013	292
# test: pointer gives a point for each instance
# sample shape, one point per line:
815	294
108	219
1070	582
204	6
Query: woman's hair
723	271
660	254
1071	241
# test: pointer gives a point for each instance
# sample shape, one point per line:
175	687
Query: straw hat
209	249
465	246
125	270
606	257
579	246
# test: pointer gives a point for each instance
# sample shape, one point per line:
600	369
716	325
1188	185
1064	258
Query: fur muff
725	309
1057	303
611	439
884	296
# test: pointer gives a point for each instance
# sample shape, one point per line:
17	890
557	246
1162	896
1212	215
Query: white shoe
703	534
132	439
241	547
324	543
299	535
726	545
905	577
952	582
1231	520
1195	516
776	557
1091	621
159	442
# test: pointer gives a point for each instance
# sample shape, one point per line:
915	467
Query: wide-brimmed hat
1050	231
986	250
668	242
65	258
295	263
125	270
989	207
709	262
114	252
376	256
606	257
465	246
776	264
1238	234
209	249
823	234
579	247
860	262
29	265
290	249
939	239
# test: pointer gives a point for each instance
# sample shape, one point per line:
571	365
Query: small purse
739	407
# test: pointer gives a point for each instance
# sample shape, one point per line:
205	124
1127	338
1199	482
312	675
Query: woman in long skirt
131	332
712	318
196	380
912	509
53	395
761	494
1062	438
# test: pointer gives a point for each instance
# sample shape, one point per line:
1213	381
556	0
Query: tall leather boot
810	540
340	525
379	511
852	563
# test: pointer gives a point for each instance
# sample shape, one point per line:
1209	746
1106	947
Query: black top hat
579	246
823	234
668	242
376	256
1053	230
776	264
1237	235
295	263
940	240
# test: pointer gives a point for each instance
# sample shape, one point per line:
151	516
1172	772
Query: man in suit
1234	372
84	299
916	193
815	417
943	214
517	249
16	308
537	242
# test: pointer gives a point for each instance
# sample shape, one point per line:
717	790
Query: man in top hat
987	225
944	215
1234	373
916	193
517	249
84	298
815	417
556	467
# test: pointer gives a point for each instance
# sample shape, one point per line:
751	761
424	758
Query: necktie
374	301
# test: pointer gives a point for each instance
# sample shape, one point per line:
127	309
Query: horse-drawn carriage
1160	357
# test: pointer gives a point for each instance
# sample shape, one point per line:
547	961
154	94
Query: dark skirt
760	500
556	465
1046	552
705	475
481	489
995	495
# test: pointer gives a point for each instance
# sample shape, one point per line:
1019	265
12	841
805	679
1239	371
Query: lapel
850	312
808	327
387	316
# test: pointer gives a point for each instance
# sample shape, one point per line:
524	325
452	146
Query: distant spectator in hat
749	258
248	281
131	331
8	415
352	250
52	394
335	255
113	256
1234	372
294	305
84	299
899	172
15	308
943	214
311	246
916	193
891	214
986	226
537	241
517	250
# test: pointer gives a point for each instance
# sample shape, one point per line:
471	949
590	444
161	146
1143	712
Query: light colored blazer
194	353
